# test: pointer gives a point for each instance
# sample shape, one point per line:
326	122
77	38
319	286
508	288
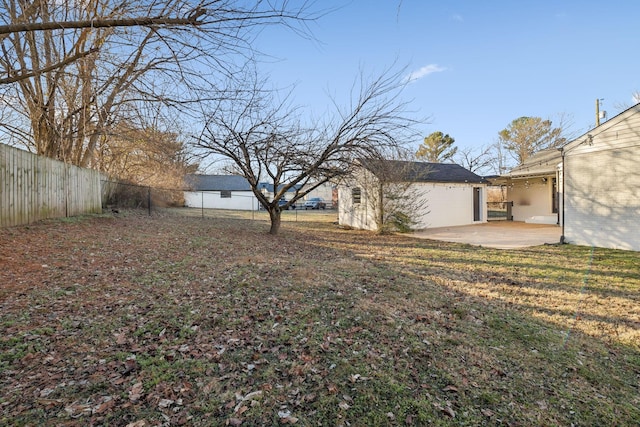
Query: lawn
131	320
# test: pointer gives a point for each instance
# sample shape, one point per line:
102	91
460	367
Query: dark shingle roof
217	183
227	183
422	171
269	187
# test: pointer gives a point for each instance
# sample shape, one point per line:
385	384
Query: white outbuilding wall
239	200
357	215
449	204
442	205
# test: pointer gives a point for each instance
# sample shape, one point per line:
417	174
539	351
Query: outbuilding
433	194
219	192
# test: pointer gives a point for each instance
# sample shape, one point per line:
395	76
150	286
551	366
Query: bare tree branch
193	19
80	68
61	64
475	159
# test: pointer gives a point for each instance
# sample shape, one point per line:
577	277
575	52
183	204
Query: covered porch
533	189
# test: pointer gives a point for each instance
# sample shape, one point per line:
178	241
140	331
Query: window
225	194
356	195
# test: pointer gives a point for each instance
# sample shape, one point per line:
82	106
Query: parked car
283	202
315	203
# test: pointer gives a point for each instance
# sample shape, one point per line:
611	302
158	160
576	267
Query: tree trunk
275	216
380	209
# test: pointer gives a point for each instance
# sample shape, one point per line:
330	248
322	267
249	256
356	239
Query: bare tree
265	139
475	159
73	82
148	150
635	99
24	27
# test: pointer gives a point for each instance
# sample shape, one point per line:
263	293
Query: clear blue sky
482	63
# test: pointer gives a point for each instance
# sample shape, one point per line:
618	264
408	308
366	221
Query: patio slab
497	234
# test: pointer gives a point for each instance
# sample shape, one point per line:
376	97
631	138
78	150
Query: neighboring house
219	192
267	190
325	192
446	194
234	192
602	184
532	188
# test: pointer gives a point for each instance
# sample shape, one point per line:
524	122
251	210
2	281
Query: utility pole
599	115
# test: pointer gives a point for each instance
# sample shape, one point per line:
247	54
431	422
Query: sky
475	65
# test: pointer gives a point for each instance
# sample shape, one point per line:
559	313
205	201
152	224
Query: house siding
602	186
602	202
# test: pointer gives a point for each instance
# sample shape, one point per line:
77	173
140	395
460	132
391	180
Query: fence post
66	179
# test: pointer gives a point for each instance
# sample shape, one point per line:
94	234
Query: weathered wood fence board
33	188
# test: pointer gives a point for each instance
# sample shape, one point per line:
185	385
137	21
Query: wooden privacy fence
34	188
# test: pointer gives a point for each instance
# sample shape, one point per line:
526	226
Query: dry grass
174	320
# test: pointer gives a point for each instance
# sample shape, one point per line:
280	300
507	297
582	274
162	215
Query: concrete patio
497	234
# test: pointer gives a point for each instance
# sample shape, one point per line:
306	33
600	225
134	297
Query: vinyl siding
602	186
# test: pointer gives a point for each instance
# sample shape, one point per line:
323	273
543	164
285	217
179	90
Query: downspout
562	239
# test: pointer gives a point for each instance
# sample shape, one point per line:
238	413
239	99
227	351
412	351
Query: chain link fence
118	195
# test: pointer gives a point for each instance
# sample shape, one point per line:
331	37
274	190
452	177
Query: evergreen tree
437	148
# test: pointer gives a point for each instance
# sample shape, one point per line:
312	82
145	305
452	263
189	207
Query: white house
446	194
234	192
219	192
532	188
590	186
602	184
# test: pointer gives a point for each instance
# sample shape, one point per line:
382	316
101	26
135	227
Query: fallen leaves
332	389
286	417
252	398
165	321
446	409
108	404
136	391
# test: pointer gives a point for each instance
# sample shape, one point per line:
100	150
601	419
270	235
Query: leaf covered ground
132	320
